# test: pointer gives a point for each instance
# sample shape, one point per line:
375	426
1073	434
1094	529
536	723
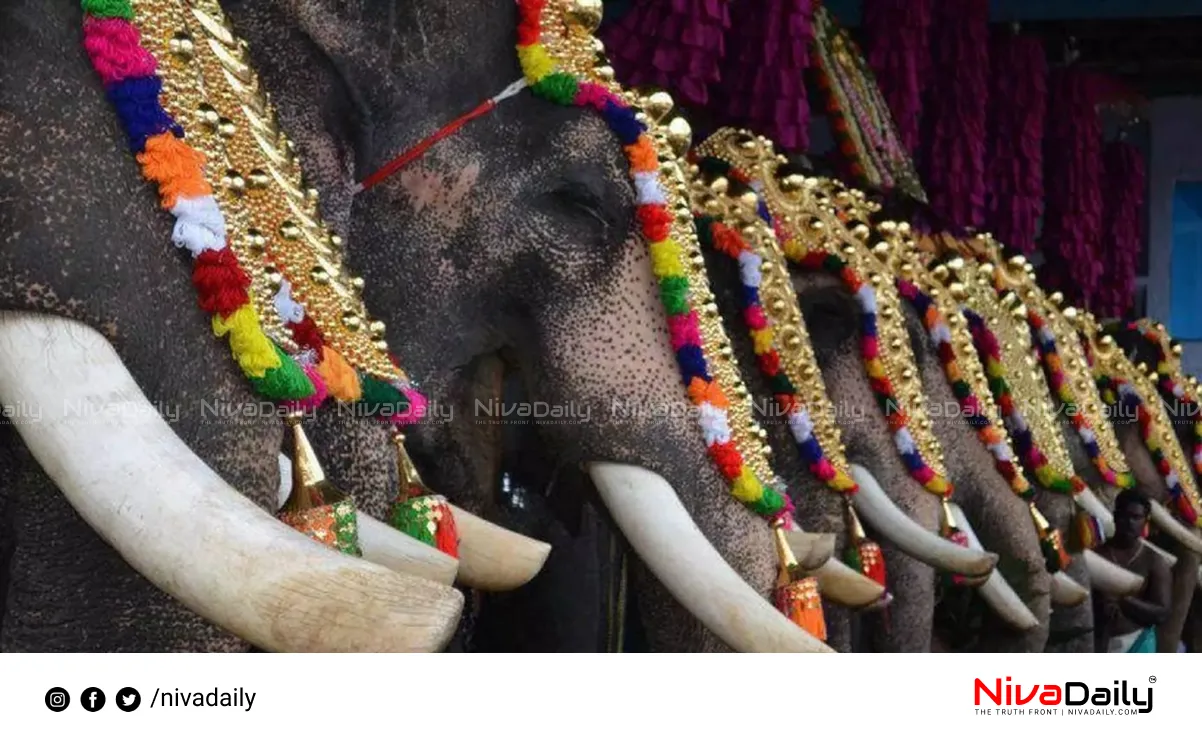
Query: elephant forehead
444	190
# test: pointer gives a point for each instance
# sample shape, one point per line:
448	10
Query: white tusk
1088	501
387	546
655	523
1109	578
1200	577
847	587
885	517
1165	555
811	550
492	558
1066	591
996	592
1163	520
181	526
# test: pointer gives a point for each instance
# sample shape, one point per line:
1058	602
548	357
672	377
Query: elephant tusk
1163	520
178	524
1066	591
996	592
386	546
1087	500
654	521
1110	578
885	517
493	558
850	588
811	550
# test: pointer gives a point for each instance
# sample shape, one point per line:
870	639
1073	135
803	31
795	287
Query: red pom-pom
220	282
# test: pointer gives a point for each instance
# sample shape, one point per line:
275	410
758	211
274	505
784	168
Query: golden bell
658	105
410	483
315	507
680	136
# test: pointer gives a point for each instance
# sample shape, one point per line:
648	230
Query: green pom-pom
109	9
833	263
674	292
961	389
286	382
769	504
781	385
376	392
558	87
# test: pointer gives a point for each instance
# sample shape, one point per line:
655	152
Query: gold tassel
1050	542
797	598
315	507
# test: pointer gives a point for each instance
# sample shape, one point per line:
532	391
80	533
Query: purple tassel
1072	230
763	80
896	45
1014	160
672	44
954	142
1122	233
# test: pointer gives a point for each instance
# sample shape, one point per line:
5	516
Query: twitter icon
128	699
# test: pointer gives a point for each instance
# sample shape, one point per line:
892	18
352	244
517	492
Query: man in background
1128	624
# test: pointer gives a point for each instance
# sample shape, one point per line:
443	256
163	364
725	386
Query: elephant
80	318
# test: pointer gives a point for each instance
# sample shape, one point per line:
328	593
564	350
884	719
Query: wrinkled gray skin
1151	484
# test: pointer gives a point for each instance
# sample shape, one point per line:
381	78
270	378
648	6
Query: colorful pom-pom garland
303	381
547	80
129	73
1172	386
1051	542
1028	451
815	259
1116	389
1045	341
717	236
993	439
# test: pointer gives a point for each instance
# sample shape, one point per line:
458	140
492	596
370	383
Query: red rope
420	148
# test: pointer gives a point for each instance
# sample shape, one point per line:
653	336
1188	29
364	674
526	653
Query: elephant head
731	162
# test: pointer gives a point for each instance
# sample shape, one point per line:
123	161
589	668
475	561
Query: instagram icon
57	699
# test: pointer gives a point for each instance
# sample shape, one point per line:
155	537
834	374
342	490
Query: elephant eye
578	199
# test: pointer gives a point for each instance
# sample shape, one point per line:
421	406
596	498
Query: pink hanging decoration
953	149
1072	230
672	44
897	47
763	80
1014	159
1122	241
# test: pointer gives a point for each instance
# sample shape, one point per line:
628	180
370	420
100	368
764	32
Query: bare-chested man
1128	624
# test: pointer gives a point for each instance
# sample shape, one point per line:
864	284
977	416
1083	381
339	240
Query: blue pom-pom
692	364
137	102
621	120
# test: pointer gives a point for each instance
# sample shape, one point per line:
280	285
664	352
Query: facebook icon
92	699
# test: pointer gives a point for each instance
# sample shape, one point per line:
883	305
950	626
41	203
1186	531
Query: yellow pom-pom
252	349
842	482
746	487
665	258
875	368
762	339
536	63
